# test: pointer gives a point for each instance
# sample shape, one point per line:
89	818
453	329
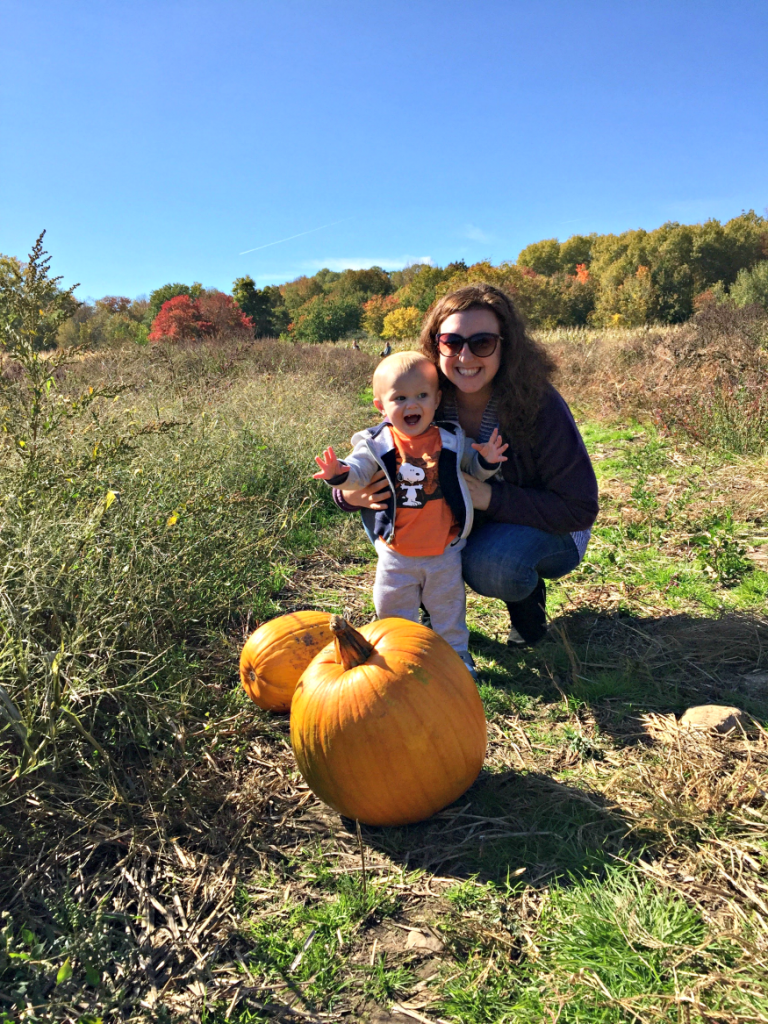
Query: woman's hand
371	495
479	491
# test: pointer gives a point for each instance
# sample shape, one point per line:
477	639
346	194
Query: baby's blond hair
398	365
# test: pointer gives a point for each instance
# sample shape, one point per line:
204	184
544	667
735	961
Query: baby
428	516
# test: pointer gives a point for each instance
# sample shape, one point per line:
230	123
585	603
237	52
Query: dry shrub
705	379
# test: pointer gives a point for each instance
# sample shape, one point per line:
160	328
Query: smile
412	419
469	371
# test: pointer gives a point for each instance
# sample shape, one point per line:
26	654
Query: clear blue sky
157	140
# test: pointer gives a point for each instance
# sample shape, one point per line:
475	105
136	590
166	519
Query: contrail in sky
288	239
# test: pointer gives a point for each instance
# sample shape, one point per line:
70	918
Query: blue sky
158	141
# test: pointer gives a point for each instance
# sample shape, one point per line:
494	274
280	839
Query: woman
534	519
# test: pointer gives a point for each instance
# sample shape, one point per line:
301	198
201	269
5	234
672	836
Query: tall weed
706	379
152	526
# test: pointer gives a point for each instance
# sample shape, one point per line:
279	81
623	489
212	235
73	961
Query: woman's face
471	373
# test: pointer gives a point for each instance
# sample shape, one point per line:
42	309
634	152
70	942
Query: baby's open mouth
412	419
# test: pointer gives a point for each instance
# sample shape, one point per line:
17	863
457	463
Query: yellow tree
402	323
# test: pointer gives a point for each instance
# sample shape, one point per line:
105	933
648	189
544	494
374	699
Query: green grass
606	951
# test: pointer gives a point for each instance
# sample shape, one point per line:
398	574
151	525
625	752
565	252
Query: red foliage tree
224	315
582	273
180	319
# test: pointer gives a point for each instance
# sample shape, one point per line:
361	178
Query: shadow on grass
624	665
515	826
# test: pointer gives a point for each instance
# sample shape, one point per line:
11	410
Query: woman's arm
563	498
373	495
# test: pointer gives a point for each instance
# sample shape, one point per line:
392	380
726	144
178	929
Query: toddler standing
428	516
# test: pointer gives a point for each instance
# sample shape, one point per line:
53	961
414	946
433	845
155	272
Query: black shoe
528	618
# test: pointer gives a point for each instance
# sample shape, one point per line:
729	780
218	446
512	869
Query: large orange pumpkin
386	724
277	653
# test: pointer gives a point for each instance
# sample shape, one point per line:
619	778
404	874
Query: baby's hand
329	465
493	450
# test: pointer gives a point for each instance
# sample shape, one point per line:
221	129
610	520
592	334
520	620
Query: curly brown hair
526	367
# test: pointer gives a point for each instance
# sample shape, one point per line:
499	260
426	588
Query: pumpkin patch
276	654
386	723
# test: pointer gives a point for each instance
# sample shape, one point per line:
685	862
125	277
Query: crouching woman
533	519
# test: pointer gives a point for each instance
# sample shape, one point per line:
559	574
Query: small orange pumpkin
386	724
277	653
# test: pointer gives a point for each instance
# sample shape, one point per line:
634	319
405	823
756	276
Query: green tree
542	257
22	285
751	286
671	253
361	285
327	278
421	288
114	319
265	307
712	255
575	251
325	319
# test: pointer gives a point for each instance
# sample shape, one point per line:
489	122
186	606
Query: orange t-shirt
424	523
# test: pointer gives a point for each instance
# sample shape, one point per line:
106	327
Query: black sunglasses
481	345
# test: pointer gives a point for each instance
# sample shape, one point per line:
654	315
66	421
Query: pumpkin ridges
448	767
332	719
377	788
362	763
393	758
276	654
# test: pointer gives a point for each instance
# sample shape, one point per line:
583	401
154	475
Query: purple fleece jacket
548	484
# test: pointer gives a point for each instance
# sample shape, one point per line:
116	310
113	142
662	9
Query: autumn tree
374	311
225	316
180	319
402	323
170	291
302	290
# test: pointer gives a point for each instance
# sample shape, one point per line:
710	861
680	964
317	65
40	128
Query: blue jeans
505	561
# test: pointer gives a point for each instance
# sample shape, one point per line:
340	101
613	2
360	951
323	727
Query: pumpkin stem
351	647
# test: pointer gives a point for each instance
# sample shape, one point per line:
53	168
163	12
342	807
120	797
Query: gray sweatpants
403	582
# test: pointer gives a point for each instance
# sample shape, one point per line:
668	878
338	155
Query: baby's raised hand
493	450
329	465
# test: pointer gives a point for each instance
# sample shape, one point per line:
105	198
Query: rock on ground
713	717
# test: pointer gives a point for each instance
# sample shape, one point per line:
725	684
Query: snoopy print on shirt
417	482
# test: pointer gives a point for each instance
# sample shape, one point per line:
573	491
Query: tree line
630	279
